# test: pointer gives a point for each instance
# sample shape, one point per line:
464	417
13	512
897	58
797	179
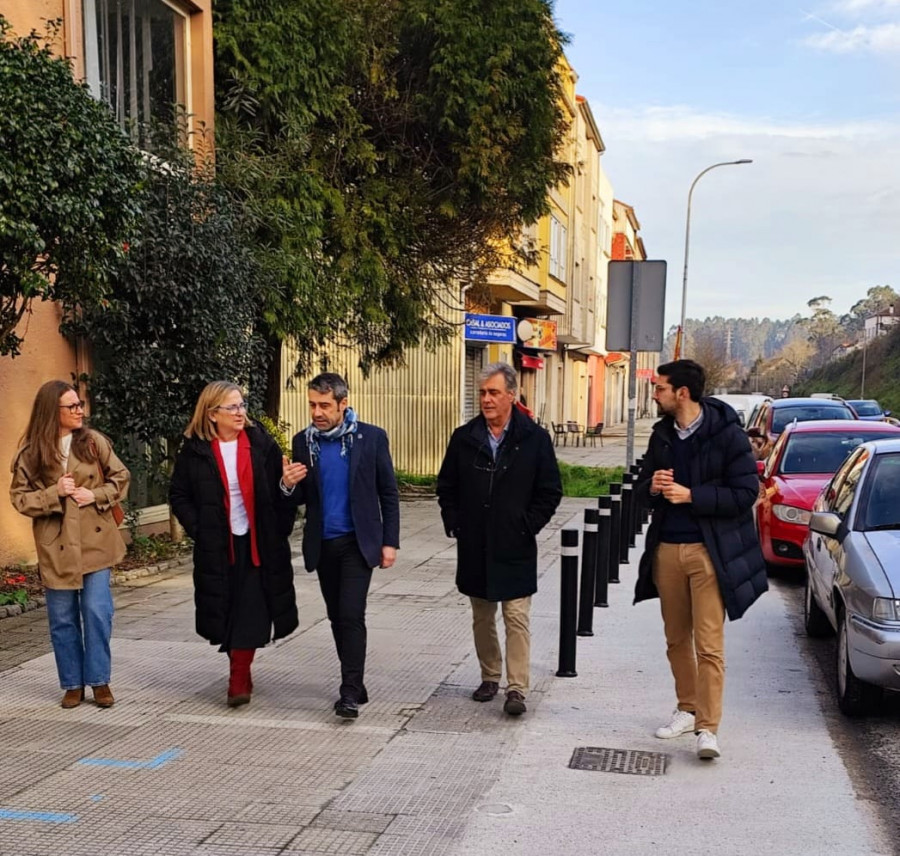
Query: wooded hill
844	376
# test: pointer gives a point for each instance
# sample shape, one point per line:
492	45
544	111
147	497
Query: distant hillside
739	340
844	376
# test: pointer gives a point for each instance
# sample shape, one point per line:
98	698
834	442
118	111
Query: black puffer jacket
197	496
496	508
724	486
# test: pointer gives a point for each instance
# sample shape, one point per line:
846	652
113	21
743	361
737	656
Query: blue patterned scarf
344	432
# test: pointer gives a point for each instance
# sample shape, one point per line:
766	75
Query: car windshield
822	453
783	416
882	509
867	408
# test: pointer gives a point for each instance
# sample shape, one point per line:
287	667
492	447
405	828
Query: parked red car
804	458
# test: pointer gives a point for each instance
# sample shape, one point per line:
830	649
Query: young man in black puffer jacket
702	556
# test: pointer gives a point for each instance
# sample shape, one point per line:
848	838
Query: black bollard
604	522
615	530
568	603
626	523
588	573
636	512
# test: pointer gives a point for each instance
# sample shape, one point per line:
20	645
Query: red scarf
245	481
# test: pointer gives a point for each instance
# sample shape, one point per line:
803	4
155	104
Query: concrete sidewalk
425	770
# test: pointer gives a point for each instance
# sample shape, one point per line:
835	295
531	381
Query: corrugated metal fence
418	404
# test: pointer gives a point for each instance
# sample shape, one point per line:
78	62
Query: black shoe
363	699
486	691
346	708
515	703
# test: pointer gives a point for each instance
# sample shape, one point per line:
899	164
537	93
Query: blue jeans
80	628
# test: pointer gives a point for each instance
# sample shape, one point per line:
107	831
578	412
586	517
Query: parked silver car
853	573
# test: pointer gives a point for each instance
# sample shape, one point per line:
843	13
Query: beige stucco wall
45	356
28	15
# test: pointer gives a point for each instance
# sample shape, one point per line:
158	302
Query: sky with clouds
808	92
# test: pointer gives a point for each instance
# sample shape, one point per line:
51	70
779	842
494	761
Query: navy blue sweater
679	526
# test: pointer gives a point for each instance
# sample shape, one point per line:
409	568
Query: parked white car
853	573
743	404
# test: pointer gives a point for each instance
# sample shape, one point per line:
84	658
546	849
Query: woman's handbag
118	512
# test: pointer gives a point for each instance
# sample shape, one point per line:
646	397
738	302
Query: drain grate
619	761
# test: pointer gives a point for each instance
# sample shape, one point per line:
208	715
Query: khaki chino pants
518	641
694	618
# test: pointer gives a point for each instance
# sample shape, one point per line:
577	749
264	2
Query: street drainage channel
633	761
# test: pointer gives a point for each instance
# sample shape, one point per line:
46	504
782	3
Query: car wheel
815	621
855	697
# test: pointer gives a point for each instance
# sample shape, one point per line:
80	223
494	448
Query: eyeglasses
233	408
78	405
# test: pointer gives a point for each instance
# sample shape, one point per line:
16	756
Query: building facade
141	57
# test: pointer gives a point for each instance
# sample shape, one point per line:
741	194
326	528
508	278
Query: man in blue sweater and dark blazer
342	471
702	556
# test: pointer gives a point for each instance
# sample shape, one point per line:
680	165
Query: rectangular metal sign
490	328
650	309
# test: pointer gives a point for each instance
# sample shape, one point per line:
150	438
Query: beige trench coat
73	541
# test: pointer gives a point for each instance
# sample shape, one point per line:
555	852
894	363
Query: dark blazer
724	487
374	498
197	496
496	508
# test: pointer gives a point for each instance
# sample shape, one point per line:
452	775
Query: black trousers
344	578
249	623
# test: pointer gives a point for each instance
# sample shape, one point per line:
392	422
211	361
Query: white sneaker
682	722
707	745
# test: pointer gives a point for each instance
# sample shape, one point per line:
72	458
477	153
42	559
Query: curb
11	609
119	577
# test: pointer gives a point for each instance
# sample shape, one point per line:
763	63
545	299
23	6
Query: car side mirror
825	523
887	412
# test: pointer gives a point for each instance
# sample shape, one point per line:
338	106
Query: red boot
240	685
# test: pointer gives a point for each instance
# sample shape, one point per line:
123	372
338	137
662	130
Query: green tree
879	299
386	150
68	182
823	329
182	314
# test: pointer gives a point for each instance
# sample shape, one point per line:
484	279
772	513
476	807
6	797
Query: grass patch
411	480
588	481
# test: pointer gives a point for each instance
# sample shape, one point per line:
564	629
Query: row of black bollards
610	530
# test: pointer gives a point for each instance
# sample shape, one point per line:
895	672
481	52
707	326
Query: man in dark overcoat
342	471
702	556
498	487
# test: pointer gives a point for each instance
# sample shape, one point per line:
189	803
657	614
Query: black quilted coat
496	508
197	496
724	486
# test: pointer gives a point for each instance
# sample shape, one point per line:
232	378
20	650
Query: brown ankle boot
240	684
103	696
72	698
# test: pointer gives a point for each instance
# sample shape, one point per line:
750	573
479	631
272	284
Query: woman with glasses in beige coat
66	478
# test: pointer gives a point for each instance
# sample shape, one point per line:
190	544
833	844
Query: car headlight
886	609
791	514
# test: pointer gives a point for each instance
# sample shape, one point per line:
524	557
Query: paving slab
425	770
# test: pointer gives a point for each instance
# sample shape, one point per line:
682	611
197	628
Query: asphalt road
869	746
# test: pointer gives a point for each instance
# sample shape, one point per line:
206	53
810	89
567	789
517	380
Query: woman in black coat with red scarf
225	493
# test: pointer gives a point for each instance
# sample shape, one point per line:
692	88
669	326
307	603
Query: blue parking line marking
42	816
163	758
153	764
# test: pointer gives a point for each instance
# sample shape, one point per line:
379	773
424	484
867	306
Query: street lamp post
679	341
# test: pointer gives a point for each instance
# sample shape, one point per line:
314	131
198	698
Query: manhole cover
619	761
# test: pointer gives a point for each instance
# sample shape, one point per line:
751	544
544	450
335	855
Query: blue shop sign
490	328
